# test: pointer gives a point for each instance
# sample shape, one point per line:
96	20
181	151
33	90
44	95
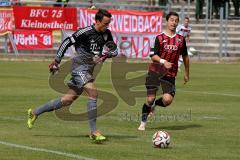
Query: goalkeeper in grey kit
93	45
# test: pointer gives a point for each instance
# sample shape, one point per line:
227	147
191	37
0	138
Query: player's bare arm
186	65
187	39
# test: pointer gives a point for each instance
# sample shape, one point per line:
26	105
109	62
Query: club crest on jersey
171	47
179	40
105	37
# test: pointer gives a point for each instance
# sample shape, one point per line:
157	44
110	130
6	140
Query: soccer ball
161	139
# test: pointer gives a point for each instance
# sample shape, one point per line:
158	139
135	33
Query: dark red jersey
168	48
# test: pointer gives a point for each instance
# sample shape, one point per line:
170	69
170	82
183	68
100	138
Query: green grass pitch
203	120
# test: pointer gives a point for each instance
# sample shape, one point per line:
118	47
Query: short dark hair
101	13
171	14
186	17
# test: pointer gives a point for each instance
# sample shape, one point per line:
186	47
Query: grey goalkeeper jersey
88	42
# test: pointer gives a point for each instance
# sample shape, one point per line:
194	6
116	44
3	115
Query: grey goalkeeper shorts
78	80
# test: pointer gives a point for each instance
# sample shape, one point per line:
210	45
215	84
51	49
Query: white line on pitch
210	118
11	118
211	93
70	155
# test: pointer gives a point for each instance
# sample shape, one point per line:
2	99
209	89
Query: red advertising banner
45	18
6	21
127	21
133	31
133	45
28	40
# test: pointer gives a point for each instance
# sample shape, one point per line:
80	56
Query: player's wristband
162	61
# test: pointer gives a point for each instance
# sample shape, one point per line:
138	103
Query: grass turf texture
203	120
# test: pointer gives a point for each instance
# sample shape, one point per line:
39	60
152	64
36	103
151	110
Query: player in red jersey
164	67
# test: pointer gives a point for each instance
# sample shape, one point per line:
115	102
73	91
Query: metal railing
129	4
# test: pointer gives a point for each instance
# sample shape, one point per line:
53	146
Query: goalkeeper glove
53	67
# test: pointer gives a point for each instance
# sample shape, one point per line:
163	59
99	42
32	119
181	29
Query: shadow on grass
109	136
177	127
120	136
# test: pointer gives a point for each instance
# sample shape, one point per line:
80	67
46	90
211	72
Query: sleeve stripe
72	39
81	31
63	48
